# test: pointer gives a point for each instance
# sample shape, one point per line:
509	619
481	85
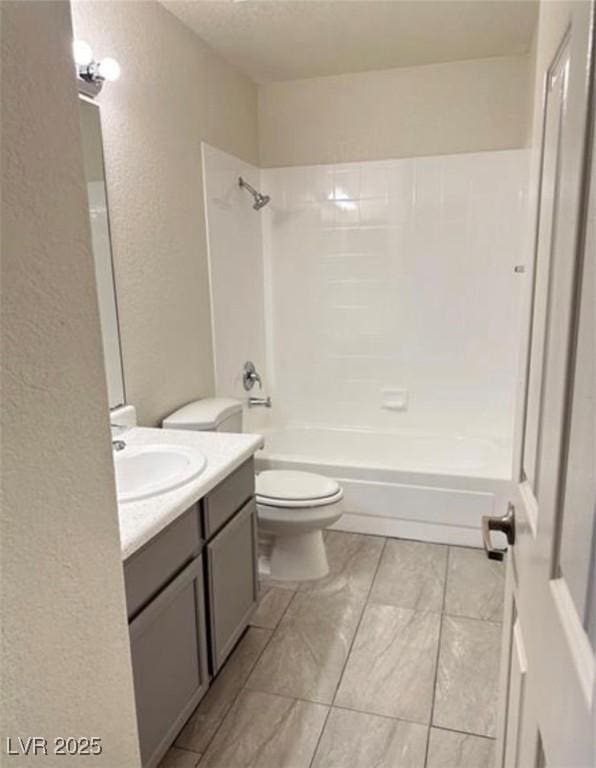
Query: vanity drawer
223	502
152	567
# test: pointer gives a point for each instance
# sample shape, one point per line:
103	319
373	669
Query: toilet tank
211	414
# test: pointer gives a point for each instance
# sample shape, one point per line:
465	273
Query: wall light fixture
93	74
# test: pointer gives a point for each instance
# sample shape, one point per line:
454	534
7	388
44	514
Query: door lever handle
505	524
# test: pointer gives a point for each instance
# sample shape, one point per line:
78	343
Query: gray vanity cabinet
169	660
232	582
190	592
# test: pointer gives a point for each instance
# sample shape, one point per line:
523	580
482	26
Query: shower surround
386	318
392	276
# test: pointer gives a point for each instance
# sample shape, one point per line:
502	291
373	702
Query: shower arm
260	199
242	183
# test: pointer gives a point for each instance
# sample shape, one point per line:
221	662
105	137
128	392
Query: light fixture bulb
82	53
108	69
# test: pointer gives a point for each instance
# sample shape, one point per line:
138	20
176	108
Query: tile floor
391	661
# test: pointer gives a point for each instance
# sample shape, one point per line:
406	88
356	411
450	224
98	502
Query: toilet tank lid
205	414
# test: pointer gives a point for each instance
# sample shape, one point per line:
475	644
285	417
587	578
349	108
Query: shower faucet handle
250	376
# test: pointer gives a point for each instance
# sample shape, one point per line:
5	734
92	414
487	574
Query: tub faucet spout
264	402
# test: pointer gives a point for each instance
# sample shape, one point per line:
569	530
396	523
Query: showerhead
260	199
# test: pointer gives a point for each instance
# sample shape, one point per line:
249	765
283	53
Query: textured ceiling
284	40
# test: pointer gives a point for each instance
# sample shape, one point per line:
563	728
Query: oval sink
148	470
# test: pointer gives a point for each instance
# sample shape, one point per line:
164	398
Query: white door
547	716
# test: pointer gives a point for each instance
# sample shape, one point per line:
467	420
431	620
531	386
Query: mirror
102	247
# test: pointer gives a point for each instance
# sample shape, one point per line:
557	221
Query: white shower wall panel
396	275
235	250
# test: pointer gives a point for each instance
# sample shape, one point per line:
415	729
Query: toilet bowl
293	508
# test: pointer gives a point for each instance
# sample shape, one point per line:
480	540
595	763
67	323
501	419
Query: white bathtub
413	485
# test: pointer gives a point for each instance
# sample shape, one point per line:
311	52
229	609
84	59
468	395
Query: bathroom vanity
191	581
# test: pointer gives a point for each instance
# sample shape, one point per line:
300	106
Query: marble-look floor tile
467	677
205	720
180	758
391	667
353	560
309	648
265	731
267	582
411	575
475	585
448	749
272	606
356	740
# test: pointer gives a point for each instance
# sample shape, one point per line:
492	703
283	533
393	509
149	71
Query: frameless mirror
102	248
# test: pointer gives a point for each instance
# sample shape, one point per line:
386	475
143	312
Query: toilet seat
295	490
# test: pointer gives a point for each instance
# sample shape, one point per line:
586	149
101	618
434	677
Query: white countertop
141	520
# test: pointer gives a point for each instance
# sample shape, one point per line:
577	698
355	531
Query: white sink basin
148	470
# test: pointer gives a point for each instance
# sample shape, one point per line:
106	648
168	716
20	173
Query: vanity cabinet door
232	576
169	661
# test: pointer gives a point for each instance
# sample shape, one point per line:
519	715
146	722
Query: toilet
293	507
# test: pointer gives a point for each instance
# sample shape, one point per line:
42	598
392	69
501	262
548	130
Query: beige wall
464	106
173	93
65	649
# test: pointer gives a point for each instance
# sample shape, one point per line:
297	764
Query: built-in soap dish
394	399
